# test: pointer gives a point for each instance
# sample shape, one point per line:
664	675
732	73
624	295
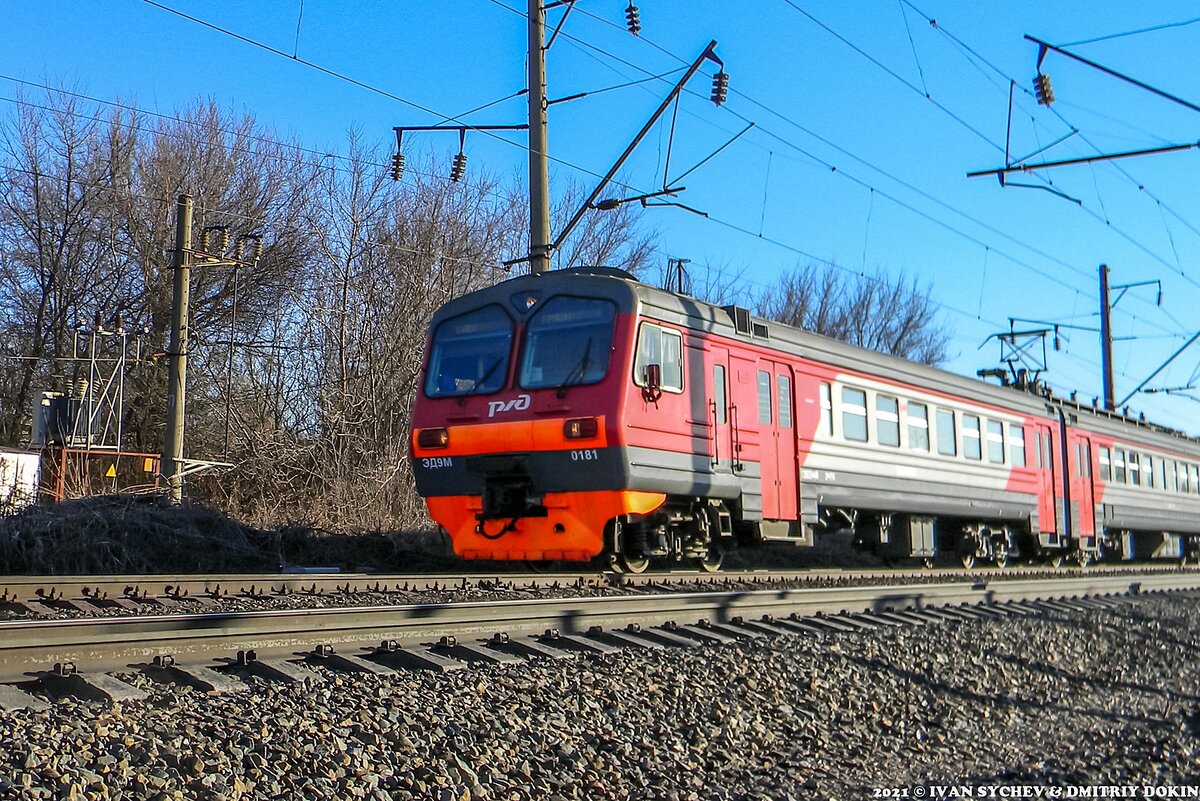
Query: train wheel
1002	559
1056	561
968	560
633	564
712	562
928	562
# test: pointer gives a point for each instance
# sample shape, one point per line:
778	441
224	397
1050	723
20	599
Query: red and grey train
577	414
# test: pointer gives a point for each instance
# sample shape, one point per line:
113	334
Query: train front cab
517	438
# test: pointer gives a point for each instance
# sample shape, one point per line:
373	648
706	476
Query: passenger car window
826	408
971	444
469	354
854	414
887	420
995	441
1016	445
947	435
918	426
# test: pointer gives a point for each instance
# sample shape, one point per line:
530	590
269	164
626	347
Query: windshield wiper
577	372
486	375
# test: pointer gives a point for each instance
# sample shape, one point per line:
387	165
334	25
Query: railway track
149	594
80	654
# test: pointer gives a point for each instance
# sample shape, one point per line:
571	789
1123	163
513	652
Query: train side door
1083	495
775	384
1047	514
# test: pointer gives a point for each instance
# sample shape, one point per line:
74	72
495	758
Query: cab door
721	440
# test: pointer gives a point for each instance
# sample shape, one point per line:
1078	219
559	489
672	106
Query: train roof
738	323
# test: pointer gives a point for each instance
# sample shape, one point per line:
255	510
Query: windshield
567	342
470	353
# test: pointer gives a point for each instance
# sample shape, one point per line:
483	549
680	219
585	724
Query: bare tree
878	312
302	368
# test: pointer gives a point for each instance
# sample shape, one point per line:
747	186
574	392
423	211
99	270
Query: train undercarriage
685	530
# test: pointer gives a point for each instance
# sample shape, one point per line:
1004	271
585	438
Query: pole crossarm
1161	367
709	54
1107	71
1045	165
406	128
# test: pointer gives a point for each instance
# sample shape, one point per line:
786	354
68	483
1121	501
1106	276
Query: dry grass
126	534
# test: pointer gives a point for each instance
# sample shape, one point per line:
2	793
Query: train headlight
433	438
581	428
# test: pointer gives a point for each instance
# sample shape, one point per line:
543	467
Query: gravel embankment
1065	699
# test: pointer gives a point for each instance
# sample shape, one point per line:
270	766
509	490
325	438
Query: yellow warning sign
111	472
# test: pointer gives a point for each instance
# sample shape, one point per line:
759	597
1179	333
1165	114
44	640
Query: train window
1194	471
783	385
568	342
1105	465
1151	464
887	420
1135	468
947	435
918	426
764	398
1016	445
995	441
664	347
1181	477
1169	479
1118	466
826	408
720	401
469	354
971	444
854	414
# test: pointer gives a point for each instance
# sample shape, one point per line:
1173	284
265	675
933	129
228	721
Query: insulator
1043	90
397	166
633	19
224	239
258	248
720	88
459	168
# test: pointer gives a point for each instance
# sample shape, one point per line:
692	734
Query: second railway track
448	635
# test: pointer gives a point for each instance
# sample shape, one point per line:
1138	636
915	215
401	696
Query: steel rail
42	588
110	644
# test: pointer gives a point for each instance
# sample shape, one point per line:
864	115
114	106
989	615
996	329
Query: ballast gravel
1062	699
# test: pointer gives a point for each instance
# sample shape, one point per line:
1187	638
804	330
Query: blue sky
867	119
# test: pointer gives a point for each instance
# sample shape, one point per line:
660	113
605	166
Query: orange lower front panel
573	528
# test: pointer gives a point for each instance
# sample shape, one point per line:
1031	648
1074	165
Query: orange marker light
433	438
581	428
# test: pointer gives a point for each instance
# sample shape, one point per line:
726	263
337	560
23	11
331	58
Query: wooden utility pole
177	350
